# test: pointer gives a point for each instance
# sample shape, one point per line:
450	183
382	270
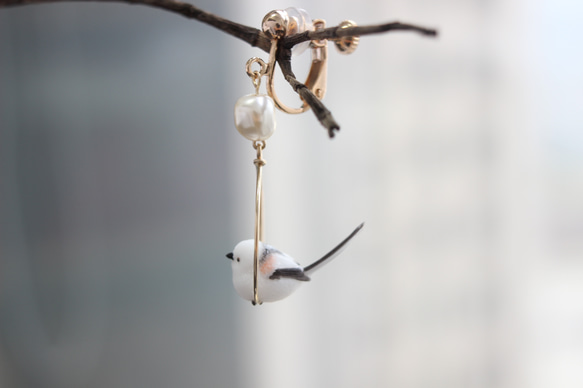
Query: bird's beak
230	255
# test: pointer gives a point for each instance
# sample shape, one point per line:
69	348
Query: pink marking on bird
267	266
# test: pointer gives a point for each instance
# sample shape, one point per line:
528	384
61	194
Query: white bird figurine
278	275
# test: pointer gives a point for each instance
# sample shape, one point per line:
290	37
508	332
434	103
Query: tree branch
251	35
331	33
336	32
322	113
257	38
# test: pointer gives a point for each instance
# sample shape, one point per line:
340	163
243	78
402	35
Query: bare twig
257	38
337	32
322	113
251	35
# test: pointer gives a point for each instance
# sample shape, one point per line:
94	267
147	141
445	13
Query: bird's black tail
334	252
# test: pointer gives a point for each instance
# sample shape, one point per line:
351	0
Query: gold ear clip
279	23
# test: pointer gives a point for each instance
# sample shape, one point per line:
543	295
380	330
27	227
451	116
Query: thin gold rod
259	163
262	220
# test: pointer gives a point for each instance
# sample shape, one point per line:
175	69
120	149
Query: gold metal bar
259	163
262	228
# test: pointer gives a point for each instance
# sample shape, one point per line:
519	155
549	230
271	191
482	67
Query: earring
255	120
255	113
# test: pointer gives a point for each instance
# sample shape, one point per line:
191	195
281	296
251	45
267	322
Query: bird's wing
333	253
291	273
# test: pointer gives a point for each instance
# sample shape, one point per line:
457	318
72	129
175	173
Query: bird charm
279	275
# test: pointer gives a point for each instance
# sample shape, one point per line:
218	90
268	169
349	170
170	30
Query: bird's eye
238	259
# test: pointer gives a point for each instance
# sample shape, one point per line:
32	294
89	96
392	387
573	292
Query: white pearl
298	22
255	116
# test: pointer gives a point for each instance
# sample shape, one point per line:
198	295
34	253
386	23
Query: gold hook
256	75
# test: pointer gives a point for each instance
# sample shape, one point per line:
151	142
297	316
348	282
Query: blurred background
123	184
